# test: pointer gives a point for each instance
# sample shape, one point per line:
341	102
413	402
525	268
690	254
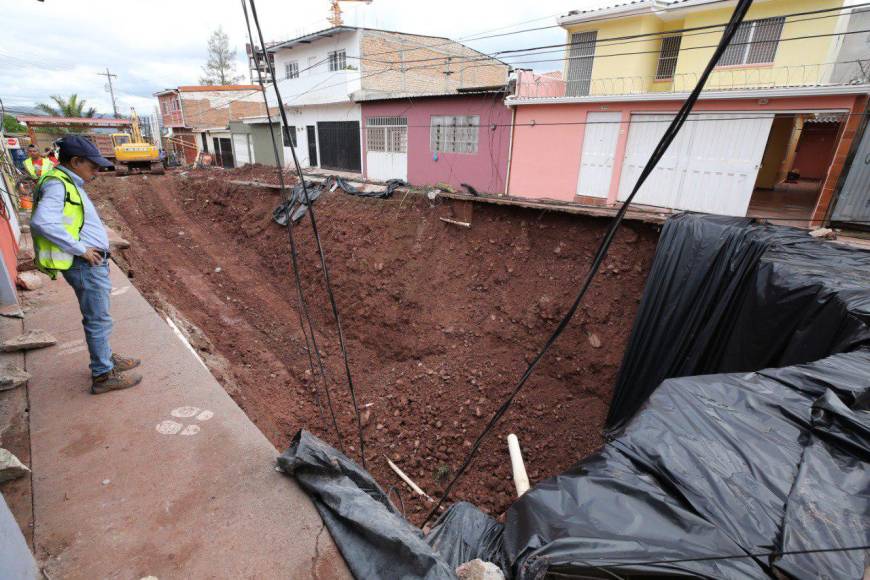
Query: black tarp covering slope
723	464
727	295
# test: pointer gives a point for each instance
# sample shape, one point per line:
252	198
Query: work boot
114	381
123	364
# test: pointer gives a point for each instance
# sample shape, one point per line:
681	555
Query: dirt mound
440	320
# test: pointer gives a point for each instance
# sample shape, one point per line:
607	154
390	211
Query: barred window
668	57
387	134
454	134
755	42
289	134
337	60
291	70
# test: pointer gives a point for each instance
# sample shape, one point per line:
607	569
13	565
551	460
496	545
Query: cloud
59	47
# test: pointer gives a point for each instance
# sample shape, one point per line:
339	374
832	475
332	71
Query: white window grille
387	134
755	42
454	134
291	70
580	59
668	57
337	60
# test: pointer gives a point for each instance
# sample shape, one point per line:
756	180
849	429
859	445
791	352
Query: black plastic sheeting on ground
714	472
726	295
295	207
716	465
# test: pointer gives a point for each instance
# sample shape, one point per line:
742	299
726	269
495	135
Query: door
599	149
853	202
387	148
339	145
311	134
223	151
242	148
710	167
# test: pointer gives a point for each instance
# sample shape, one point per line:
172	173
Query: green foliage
11	125
220	68
72	107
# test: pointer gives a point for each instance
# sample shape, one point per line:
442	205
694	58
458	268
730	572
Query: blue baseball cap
78	146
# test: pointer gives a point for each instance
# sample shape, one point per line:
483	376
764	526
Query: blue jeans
93	288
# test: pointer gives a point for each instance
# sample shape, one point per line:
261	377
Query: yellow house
625	49
769	137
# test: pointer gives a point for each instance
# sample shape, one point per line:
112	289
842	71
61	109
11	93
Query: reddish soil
440	320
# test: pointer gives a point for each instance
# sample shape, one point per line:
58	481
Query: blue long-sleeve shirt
47	220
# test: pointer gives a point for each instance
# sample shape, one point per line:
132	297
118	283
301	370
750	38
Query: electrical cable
329	291
670	134
294	258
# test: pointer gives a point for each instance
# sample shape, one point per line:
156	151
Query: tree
72	107
220	69
11	125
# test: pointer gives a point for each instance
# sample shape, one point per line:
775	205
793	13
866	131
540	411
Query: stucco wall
484	170
548	139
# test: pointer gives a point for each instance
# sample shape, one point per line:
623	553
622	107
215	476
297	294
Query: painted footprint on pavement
170	427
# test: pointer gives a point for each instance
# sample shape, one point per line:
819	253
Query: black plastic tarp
726	295
713	467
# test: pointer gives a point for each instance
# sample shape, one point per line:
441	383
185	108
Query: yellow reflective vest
50	259
31	168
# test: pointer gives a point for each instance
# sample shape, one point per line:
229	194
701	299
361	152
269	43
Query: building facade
196	118
770	132
324	76
459	139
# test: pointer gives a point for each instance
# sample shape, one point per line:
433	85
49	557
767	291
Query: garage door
339	145
242	148
710	167
387	148
599	148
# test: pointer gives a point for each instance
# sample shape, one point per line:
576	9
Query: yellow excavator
134	153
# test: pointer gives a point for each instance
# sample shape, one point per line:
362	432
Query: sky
58	47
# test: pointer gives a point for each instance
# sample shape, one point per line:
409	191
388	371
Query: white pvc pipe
521	480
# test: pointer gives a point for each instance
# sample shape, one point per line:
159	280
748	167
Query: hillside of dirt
440	320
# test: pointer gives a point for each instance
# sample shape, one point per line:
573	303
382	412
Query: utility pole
109	76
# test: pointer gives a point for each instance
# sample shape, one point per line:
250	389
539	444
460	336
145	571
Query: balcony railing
536	86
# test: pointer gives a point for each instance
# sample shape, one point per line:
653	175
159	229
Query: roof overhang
664	9
705	96
260	120
309	38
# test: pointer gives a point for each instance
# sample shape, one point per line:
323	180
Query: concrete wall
316	83
816	149
16	561
484	170
548	138
300	117
854	47
261	141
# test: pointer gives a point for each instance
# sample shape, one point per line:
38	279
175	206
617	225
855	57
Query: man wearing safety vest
68	237
35	164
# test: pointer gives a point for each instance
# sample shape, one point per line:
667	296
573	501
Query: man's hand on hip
93	256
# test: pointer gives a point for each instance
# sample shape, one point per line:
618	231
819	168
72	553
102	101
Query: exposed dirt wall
440	320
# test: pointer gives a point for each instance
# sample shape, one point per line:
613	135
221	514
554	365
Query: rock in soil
31	280
11	377
479	570
11	467
30	340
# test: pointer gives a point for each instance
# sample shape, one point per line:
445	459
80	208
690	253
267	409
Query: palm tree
72	107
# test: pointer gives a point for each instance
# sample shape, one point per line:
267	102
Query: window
289	134
668	57
387	134
754	42
580	59
454	134
337	60
291	70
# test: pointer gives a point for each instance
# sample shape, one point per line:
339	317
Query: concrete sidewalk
169	479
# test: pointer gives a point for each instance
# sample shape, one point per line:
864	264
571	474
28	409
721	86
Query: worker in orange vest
36	165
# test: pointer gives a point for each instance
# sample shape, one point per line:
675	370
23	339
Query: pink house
456	139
